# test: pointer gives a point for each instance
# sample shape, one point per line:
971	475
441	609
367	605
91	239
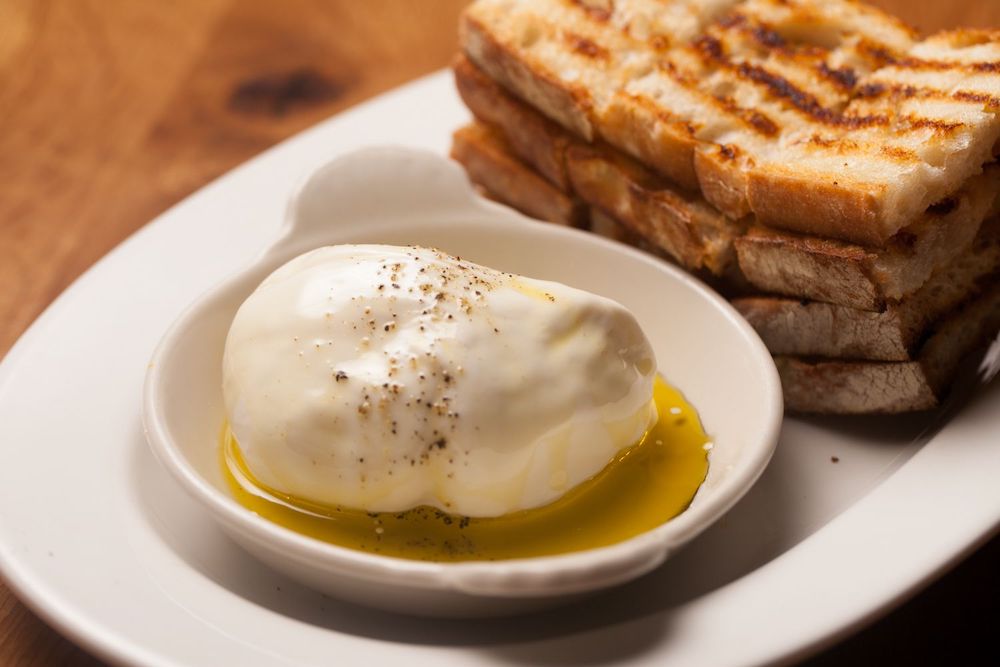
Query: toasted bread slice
801	112
570	59
670	230
774	261
930	117
860	387
530	136
857	277
686	227
680	224
809	328
488	161
730	283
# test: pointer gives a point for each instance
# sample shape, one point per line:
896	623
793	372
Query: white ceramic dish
704	348
109	549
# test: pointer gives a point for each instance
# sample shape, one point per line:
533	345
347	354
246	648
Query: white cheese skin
382	378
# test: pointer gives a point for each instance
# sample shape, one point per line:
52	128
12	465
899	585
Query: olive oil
643	487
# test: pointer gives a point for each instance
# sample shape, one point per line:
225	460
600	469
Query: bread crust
532	137
568	106
665	144
811	328
488	162
874	387
795	109
845	387
809	267
722	178
690	231
851	275
839	209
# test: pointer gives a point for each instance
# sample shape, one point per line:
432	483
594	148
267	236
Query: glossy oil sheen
645	486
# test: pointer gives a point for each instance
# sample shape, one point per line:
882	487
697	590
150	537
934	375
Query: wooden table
111	111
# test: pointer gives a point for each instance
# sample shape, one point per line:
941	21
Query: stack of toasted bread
815	160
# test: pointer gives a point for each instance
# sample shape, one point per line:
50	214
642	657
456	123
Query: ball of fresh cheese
383	378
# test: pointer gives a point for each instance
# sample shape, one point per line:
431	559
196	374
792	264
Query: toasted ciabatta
809	328
681	224
697	236
686	227
826	118
501	176
532	189
866	387
488	161
530	136
850	275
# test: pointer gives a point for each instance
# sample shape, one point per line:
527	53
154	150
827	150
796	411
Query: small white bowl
400	196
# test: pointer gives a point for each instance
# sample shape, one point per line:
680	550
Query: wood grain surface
112	110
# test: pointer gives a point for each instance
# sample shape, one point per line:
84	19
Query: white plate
104	545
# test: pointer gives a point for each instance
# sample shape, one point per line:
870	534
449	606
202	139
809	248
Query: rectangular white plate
98	540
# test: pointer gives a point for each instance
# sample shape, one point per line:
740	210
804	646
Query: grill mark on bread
783	88
584	46
659	43
872	91
904	240
808	104
920	64
876	90
729	152
803	101
899	154
878	54
712	49
803	56
971	36
765	36
843	77
661	114
990	102
752	118
761	33
894	153
939	126
846	146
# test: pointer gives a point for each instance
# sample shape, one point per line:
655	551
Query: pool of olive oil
643	487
